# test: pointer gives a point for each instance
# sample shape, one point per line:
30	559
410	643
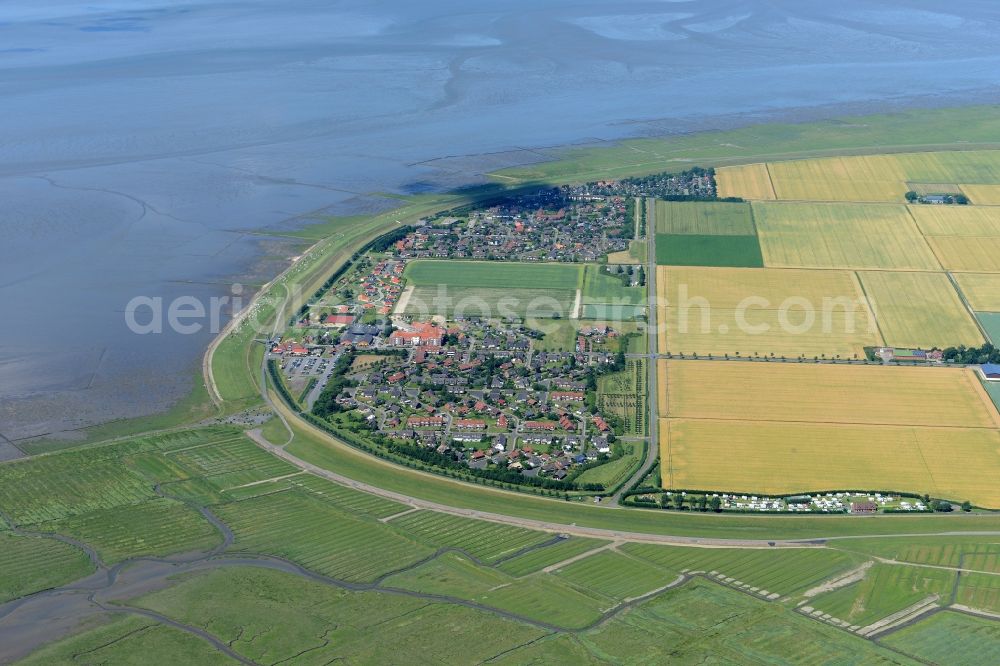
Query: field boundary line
770	181
968	306
581	556
405	512
868	305
263	481
923	237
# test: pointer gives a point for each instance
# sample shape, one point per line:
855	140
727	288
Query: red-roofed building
421	333
425	421
547	426
601	424
338	320
570	396
469	424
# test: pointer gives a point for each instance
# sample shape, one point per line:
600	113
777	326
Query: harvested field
982	290
704	217
820	235
983	195
750	181
827	394
962	253
920	310
742	300
879	177
957	220
776	457
860	178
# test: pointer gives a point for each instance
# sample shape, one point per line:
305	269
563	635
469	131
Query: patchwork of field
704	217
919	310
786	428
828	394
492	288
749	181
981	290
823	235
746	311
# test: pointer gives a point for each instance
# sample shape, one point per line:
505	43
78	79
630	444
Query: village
550	225
474	391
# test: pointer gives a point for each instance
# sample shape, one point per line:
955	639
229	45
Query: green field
128	641
708	250
157	527
616	576
539	558
885	589
612	474
493	274
602	286
318	536
949	638
990	321
273	617
488	542
704	218
792	571
29	564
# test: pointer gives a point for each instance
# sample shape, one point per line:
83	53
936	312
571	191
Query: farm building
990	372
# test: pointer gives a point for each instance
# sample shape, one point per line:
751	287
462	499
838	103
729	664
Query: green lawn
706	218
487	541
708	250
602	286
613	473
494	274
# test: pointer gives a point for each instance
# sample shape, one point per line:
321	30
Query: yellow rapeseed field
781	457
982	290
919	310
957	220
763	310
968	254
841	236
827	393
750	181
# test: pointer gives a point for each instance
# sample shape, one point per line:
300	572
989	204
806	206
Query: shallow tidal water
160	148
